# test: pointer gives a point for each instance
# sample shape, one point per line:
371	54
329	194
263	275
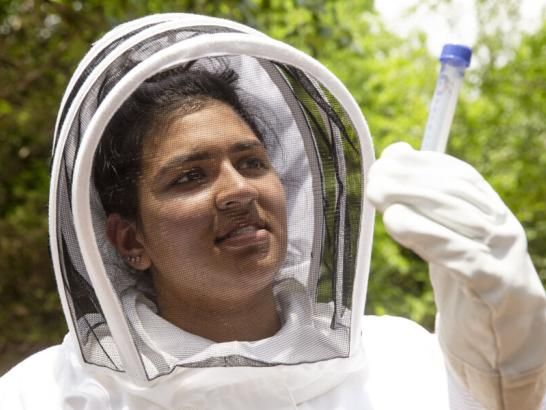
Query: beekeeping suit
490	350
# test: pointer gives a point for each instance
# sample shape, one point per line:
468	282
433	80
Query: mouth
239	229
243	234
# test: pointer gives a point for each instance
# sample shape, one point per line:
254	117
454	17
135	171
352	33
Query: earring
133	259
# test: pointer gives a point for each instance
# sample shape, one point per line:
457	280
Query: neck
222	320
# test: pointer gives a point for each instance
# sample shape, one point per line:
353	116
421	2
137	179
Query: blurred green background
500	126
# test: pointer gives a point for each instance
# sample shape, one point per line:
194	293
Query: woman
205	236
207	211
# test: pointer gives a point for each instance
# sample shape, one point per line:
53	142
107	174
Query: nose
234	190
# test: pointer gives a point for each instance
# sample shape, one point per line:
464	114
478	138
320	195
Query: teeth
243	230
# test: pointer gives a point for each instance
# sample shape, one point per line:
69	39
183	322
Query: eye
252	163
194	175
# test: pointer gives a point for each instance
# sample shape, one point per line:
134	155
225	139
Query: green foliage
503	133
499	126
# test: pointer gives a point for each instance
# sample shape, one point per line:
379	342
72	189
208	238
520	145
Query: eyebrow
197	155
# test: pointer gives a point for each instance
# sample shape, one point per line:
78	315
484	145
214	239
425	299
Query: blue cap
456	54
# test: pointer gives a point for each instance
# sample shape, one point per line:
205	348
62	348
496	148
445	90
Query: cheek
276	199
177	222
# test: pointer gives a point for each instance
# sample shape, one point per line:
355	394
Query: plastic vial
455	59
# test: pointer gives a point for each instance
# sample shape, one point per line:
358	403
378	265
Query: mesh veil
314	148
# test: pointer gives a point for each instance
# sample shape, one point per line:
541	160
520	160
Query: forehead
214	127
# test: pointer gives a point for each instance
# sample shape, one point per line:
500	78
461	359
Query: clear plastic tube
455	59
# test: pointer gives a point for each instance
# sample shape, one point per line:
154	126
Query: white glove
491	303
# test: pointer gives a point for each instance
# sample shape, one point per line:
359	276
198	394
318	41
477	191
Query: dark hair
149	109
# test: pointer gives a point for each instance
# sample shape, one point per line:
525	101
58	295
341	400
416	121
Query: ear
125	238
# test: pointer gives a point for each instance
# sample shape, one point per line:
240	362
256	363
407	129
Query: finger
432	241
386	189
401	161
465	211
395	180
420	162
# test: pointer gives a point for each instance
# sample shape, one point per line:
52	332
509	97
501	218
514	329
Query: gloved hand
491	304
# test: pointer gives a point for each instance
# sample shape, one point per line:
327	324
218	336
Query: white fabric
304	336
403	369
491	303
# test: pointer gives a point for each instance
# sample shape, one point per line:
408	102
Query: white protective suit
490	349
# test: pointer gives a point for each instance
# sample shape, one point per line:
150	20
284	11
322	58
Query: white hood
322	156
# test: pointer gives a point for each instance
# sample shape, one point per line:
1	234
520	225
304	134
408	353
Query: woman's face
212	209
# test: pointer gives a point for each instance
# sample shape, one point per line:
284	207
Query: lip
236	223
253	238
243	235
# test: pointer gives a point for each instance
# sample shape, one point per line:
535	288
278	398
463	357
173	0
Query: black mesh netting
313	148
